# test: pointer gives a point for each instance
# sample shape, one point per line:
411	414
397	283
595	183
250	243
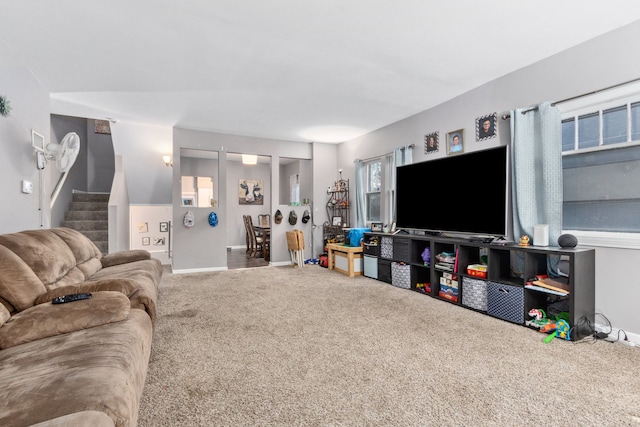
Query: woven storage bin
386	247
474	293
505	302
401	275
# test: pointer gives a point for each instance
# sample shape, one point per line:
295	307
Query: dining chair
255	241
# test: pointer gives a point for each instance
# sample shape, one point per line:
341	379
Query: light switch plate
27	187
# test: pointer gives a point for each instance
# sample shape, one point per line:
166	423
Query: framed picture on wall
146	241
164	227
336	220
431	142
251	192
486	127
455	143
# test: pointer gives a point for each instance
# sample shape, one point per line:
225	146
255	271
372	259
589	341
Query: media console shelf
503	291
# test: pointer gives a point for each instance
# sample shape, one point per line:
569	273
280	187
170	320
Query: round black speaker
567	241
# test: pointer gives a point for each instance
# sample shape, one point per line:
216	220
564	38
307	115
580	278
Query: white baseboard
633	340
198	270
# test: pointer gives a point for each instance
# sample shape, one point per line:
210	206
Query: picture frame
251	191
376	226
143	227
158	241
102	126
146	241
455	142
487	127
431	143
336	220
188	201
164	227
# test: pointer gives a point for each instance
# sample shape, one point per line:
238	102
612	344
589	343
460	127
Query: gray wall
30	110
203	247
591	66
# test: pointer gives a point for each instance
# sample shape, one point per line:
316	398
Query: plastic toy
539	320
563	330
524	240
426	256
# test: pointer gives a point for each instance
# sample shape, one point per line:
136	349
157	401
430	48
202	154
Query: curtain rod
385	154
553	104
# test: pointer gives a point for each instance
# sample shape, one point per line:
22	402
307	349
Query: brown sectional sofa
81	363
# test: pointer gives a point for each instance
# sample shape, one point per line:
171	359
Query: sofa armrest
46	320
123	257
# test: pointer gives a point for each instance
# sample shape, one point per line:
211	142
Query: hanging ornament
5	106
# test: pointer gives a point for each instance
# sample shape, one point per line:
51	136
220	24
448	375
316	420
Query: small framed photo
164	227
431	143
486	127
143	227
376	226
336	220
158	241
188	201
455	142
146	241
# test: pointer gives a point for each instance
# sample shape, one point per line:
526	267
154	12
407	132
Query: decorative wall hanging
188	219
250	192
455	142
213	219
102	126
431	142
5	106
486	127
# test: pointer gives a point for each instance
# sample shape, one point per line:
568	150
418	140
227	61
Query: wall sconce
167	160
249	159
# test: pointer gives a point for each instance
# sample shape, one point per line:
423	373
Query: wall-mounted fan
66	152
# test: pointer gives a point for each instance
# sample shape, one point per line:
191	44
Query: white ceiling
300	70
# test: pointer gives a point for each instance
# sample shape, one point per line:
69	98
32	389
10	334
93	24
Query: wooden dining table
265	232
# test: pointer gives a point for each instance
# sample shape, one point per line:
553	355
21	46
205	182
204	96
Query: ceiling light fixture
167	160
249	159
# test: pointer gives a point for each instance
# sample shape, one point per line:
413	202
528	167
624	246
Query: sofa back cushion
35	261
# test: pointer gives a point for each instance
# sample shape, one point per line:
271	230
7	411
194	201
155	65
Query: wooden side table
353	254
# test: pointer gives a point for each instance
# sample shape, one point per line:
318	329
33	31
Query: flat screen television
464	194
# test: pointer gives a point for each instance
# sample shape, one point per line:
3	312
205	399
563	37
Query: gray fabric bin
474	293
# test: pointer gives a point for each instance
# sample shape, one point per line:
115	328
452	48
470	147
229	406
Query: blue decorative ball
213	219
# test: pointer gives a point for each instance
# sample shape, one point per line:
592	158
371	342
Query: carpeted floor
286	346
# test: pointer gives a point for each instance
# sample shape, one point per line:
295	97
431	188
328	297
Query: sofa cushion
96	369
19	285
123	257
124	286
46	320
48	256
79	419
86	253
4	314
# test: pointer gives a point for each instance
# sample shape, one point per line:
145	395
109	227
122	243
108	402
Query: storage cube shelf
398	260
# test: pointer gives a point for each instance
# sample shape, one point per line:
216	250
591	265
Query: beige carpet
284	346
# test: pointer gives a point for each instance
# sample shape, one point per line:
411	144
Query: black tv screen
460	193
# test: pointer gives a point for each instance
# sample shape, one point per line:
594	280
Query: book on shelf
554	285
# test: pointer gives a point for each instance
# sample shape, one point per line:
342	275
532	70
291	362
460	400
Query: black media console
500	284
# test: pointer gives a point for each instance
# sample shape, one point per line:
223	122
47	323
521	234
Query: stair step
86	225
86	215
88	206
91	197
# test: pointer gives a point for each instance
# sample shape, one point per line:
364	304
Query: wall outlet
27	187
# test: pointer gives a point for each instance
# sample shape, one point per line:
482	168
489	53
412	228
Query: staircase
88	213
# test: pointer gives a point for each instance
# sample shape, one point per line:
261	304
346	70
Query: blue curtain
536	155
360	194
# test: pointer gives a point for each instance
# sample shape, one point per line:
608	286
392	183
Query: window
601	164
372	190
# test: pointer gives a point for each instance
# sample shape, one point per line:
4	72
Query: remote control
70	298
